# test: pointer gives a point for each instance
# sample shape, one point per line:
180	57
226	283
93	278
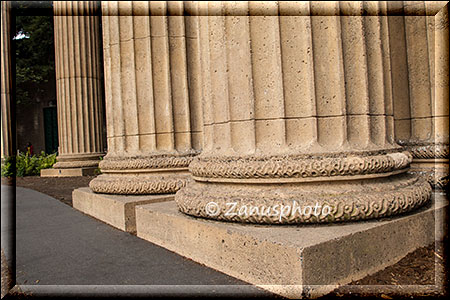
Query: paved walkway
57	245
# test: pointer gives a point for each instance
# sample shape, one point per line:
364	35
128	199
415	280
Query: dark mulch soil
58	187
421	274
423	267
7	283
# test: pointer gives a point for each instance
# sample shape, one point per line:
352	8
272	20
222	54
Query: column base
71	172
430	161
143	175
79	160
317	202
292	261
118	211
436	171
143	184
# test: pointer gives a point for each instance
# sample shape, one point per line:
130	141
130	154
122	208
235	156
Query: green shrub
97	171
8	167
28	165
45	161
25	165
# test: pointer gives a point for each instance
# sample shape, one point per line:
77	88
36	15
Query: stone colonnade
6	146
420	86
153	100
79	87
285	108
298	109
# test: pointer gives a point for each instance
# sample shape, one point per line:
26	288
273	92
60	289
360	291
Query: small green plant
25	164
97	171
31	165
46	161
8	167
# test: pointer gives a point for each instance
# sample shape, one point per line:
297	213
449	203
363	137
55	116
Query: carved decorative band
298	167
423	151
141	185
394	196
151	162
438	179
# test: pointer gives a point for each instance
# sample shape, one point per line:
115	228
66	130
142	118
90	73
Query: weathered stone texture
291	100
420	69
293	261
78	77
6	143
153	97
118	211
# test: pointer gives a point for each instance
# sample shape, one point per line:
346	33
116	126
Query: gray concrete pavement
57	245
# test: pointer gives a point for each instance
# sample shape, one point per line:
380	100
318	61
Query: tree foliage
34	56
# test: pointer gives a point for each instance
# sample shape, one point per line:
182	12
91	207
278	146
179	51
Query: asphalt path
60	250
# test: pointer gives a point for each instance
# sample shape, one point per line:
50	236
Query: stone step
292	261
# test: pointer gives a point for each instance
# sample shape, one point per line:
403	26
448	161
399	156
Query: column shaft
153	97
299	108
78	77
421	116
6	146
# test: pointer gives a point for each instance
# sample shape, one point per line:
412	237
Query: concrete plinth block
116	210
294	260
72	172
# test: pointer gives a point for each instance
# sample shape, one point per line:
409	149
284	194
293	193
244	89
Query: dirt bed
58	187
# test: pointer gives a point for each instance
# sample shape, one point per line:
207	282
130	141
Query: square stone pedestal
68	172
116	210
293	261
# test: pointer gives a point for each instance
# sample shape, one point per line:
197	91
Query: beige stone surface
153	97
441	71
77	64
69	172
118	211
435	170
293	261
6	146
420	75
314	202
269	77
300	99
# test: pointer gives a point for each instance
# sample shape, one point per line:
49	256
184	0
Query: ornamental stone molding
360	201
298	107
153	97
424	151
161	161
299	168
420	66
78	84
140	185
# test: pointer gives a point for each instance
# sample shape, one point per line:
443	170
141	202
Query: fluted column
78	78
6	80
298	108
420	69
153	97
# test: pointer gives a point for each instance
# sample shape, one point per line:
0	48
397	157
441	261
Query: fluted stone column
298	109
153	100
420	70
78	78
6	81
